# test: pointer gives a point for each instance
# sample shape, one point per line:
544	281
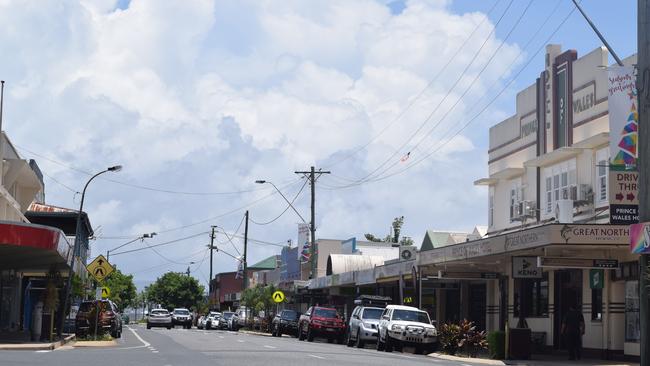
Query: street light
285	198
75	249
141	237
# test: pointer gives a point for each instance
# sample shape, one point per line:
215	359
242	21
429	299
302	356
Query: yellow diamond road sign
99	268
106	292
278	296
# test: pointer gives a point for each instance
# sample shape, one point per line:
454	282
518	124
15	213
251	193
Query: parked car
239	320
225	320
201	322
159	318
212	320
401	326
232	322
108	320
323	322
182	316
285	322
363	325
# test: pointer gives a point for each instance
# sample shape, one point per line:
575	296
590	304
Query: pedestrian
573	327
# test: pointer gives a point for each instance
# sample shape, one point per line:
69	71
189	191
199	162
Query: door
478	305
452	306
568	292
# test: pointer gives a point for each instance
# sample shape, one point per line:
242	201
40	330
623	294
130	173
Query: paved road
178	347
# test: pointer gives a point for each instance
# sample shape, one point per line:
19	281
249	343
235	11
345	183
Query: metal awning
33	247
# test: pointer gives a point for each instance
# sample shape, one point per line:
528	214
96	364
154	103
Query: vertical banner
623	144
640	238
623	117
303	243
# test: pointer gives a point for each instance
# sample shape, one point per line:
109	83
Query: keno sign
525	267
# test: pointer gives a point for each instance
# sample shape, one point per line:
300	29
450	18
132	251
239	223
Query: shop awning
33	247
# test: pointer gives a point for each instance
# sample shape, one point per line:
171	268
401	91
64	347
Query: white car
212	320
401	326
363	325
200	323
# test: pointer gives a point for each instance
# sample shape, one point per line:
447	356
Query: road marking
145	343
271	347
221	337
318	357
240	340
154	351
43	351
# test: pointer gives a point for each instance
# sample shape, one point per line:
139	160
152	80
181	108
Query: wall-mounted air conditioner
407	253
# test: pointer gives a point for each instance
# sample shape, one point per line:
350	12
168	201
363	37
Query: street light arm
290	204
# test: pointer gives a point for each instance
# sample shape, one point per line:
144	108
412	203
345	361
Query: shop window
597	304
531	296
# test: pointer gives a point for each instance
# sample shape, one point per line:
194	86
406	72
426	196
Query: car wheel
301	335
330	340
359	342
388	346
310	335
148	326
348	338
278	332
340	339
417	350
169	327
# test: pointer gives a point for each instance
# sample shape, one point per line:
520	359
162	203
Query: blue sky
198	101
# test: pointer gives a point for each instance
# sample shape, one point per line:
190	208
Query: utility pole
643	163
245	263
211	249
188	271
312	175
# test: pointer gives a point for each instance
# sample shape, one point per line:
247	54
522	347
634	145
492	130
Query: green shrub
497	344
450	338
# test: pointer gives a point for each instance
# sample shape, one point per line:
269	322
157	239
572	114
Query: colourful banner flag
623	117
640	238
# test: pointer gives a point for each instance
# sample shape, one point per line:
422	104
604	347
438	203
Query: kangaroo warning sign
99	268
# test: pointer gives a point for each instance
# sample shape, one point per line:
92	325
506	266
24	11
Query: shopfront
530	278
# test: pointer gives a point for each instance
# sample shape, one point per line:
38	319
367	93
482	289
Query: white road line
240	341
271	347
154	351
221	337
43	351
318	357
145	343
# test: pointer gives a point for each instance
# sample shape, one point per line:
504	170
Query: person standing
573	327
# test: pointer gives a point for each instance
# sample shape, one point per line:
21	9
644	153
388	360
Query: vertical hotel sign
623	140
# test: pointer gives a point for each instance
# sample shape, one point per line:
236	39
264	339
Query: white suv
401	326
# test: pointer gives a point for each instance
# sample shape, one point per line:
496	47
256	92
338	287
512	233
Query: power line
419	95
262	242
161	244
285	210
147	188
165	264
471	120
456	82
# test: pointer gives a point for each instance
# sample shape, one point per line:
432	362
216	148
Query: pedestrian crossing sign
278	296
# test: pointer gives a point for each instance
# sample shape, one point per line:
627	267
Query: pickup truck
322	322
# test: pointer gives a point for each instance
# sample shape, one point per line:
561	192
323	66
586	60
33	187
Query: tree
396	227
175	290
123	290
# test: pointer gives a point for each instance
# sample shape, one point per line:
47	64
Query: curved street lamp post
76	249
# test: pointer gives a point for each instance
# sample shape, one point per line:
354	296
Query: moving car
363	325
159	318
323	322
108	319
212	320
401	326
285	322
182	316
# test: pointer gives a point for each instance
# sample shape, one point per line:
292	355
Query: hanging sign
563	262
525	267
640	238
596	278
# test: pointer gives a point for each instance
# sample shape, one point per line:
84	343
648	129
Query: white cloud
208	96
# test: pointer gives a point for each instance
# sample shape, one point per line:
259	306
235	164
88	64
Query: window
632	312
491	208
602	158
516	196
559	180
597	304
531	296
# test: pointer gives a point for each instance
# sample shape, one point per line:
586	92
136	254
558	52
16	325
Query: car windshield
181	312
289	314
215	315
372	313
159	312
227	315
411	316
325	313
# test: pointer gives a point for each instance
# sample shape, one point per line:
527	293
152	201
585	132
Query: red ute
323	322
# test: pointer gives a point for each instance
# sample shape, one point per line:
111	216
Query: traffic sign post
278	296
99	268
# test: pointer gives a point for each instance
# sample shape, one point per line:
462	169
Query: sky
199	99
